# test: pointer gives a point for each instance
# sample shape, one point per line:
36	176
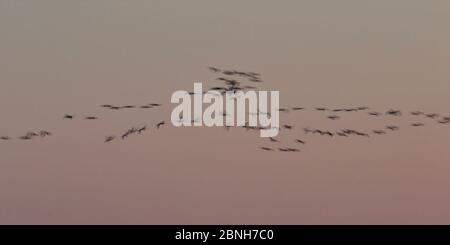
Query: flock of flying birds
351	132
234	81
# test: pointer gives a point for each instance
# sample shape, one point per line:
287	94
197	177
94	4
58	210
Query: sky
59	57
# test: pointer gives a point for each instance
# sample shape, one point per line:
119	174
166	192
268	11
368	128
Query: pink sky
60	57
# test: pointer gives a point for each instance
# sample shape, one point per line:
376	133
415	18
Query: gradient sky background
60	57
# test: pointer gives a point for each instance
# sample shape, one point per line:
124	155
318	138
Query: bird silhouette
240	73
297	108
5	138
160	124
142	129
91	118
222	79
328	133
44	133
416	113
394	112
333	117
109	139
133	130
321	109
379	132
417	124
444	120
362	134
432	115
292	149
253	74
392	128
68	116
322	133
300	141
348	131
129	132
232	82
125	135
32	134
374	113
228	73
255	80
214	69
26	137
267	148
317	131
218	88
